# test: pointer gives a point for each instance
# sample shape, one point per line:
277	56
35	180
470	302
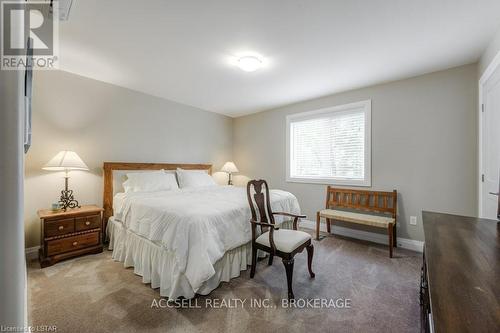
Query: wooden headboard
109	167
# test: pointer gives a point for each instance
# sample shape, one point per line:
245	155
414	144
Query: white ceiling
181	50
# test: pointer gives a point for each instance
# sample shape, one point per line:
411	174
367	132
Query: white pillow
150	182
194	178
131	179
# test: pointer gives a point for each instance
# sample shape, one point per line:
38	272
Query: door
490	146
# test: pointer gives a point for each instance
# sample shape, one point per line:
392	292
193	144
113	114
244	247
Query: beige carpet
95	294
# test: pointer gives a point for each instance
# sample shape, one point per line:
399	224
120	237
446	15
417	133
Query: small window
330	146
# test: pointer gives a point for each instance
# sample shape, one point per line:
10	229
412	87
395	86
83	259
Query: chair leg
318	218
391	241
328	229
254	262
289	274
310	253
395	236
271	257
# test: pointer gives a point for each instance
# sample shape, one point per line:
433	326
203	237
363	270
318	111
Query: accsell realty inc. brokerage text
234	303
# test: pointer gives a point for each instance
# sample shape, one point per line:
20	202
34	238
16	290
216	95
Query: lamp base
67	199
230	180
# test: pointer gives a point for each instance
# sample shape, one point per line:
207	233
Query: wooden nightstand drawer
87	222
72	243
68	234
59	227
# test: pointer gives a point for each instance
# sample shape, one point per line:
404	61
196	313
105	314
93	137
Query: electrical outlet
413	220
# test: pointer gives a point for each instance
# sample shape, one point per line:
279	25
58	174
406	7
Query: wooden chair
355	204
283	243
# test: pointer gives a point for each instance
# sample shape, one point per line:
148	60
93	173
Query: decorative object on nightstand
65	161
70	233
229	168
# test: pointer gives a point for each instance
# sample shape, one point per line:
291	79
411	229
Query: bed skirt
158	267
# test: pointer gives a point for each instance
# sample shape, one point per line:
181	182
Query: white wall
423	144
103	122
12	261
490	53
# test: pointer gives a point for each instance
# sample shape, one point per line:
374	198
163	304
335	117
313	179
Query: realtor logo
30	35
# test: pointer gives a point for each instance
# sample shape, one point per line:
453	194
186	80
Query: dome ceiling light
249	63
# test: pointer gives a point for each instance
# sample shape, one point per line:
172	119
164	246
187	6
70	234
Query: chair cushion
285	240
367	219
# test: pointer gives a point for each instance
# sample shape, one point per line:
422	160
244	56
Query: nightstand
67	234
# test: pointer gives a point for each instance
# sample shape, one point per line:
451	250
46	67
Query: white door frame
494	64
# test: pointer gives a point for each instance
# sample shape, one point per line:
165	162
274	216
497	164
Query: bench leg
391	241
328	229
395	236
317	225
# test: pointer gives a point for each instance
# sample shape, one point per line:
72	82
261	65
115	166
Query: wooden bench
354	206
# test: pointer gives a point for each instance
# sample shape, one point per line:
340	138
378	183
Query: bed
184	241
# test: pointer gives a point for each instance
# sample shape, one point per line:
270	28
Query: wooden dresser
460	283
69	234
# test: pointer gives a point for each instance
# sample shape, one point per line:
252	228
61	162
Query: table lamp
65	161
229	168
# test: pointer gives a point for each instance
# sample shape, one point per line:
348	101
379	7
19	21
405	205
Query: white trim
367	181
482	81
490	69
410	244
405	243
32	252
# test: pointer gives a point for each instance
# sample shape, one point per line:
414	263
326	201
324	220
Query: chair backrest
371	201
259	201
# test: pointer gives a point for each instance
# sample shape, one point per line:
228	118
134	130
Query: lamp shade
229	167
65	160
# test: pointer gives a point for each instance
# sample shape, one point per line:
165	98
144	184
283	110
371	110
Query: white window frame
367	107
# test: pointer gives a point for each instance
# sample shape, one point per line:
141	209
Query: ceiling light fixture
249	63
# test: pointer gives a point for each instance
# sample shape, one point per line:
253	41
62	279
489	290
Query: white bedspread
197	225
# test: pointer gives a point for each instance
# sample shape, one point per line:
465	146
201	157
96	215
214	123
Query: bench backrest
371	201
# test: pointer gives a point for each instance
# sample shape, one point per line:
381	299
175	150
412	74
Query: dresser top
463	268
84	210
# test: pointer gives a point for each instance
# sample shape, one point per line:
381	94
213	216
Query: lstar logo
30	35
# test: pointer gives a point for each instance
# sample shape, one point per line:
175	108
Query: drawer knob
61	227
87	223
75	243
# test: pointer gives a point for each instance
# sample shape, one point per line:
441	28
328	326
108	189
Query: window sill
326	181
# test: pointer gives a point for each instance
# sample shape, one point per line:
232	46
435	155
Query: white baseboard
32	252
405	243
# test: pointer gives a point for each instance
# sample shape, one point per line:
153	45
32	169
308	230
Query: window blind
328	146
